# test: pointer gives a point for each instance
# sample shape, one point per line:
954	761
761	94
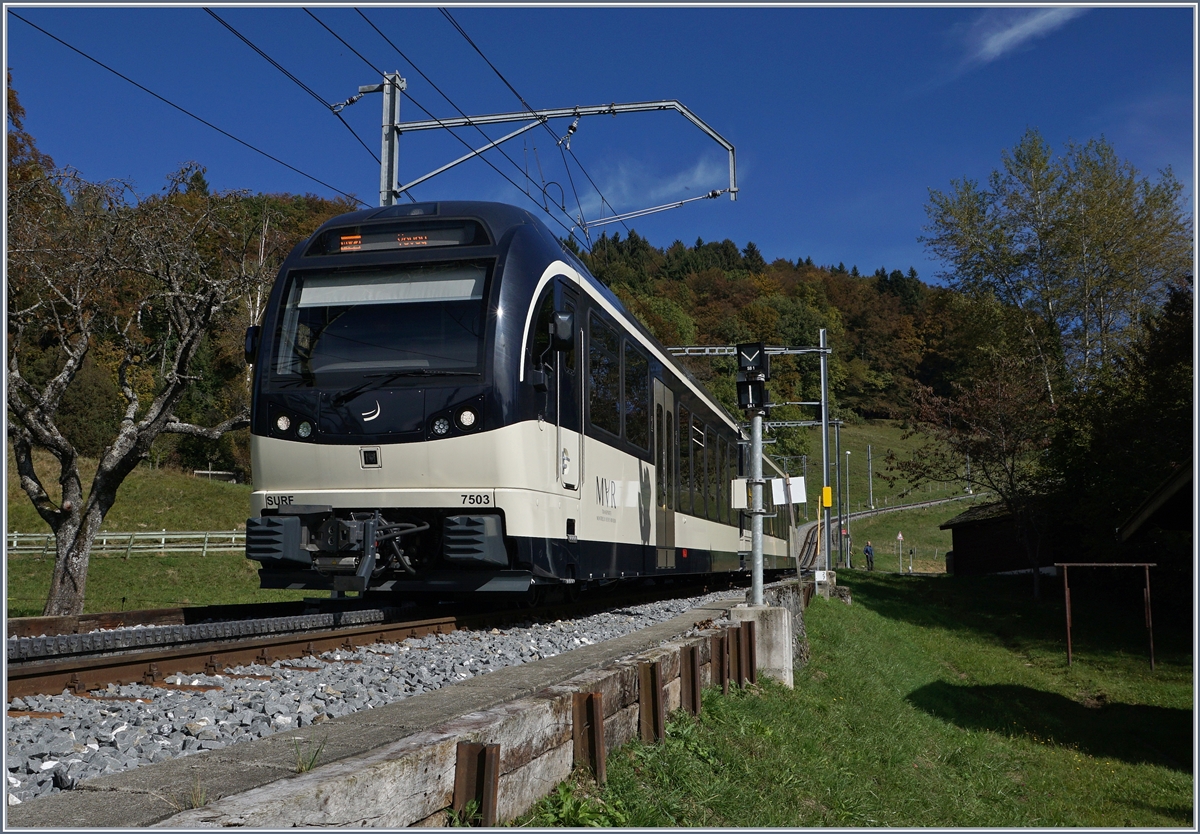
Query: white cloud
998	32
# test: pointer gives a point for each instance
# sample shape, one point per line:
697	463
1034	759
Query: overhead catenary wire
524	171
603	200
294	80
186	112
417	104
430	82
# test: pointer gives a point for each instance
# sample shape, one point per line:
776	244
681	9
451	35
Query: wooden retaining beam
477	777
747	634
587	730
719	653
506	757
652	712
737	654
689	679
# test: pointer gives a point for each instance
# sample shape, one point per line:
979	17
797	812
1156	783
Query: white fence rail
163	541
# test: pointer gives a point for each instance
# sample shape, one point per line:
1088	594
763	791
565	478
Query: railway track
86	662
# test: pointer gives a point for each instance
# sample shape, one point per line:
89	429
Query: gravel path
96	737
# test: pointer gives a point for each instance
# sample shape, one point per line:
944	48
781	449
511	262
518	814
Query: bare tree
141	284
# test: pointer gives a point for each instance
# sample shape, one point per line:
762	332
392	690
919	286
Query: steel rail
82	675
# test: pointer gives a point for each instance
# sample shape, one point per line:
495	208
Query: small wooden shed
985	541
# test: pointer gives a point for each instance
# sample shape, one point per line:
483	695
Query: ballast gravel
125	727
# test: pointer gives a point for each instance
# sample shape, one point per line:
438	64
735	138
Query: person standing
869	552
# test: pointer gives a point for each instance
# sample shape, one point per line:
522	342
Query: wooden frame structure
1145	596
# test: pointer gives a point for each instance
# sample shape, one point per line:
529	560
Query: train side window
569	355
669	444
662	459
604	384
711	466
734	451
539	343
637	397
700	478
722	487
685	461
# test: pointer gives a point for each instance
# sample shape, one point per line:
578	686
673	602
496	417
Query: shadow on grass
1002	609
999	607
1131	732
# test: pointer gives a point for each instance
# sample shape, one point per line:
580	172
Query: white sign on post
795	486
899	537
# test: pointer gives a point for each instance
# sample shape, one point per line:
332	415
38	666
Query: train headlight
440	426
283	423
467	418
304	429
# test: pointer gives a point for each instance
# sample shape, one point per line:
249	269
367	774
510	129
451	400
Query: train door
665	444
569	391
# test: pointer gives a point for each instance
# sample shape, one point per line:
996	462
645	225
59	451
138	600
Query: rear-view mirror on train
252	334
562	331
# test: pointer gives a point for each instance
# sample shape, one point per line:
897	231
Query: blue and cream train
446	401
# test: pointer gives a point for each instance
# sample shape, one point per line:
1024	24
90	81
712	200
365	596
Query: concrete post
773	638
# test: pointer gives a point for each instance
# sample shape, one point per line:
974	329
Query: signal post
774	644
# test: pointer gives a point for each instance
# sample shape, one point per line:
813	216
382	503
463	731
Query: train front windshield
418	318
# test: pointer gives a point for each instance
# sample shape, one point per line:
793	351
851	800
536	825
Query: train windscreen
424	318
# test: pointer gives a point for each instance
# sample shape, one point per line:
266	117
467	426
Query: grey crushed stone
96	737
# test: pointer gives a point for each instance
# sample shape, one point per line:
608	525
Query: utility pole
849	541
825	447
389	154
870	480
389	150
753	372
841	516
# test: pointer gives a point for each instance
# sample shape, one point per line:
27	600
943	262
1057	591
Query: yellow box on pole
826	496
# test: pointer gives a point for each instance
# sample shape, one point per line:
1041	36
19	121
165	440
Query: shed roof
1170	506
994	511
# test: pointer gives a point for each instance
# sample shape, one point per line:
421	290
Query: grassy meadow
921	535
929	701
149	500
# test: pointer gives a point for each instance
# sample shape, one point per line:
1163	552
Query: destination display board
400	236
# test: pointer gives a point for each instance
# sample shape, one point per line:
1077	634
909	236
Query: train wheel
532	598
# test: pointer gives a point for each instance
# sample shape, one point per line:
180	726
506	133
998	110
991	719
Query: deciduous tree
139	283
1082	245
1002	420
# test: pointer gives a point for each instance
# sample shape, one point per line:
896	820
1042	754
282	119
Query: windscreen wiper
379	380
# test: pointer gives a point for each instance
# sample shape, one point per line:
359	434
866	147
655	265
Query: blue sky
843	118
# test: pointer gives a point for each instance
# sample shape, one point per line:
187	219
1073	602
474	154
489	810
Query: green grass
934	701
921	535
881	436
145	580
150	499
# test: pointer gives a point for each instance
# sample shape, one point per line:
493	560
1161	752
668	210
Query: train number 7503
476	498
